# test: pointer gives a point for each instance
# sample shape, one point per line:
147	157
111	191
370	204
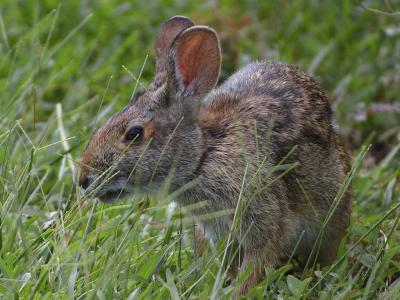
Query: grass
65	67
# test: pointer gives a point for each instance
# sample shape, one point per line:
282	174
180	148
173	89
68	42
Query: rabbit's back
276	99
277	93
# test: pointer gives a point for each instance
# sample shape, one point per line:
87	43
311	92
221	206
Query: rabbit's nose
83	181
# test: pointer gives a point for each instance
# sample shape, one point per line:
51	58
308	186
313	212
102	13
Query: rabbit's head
155	136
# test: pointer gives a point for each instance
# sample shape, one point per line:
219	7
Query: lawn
66	66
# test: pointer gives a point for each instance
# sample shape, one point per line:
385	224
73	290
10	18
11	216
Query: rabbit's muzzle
106	186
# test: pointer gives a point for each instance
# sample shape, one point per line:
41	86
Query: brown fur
230	142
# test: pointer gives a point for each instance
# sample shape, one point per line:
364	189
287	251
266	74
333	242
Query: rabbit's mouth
119	189
112	195
110	191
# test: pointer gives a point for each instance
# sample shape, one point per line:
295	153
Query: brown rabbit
261	147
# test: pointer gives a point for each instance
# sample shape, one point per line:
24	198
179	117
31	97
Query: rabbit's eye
134	134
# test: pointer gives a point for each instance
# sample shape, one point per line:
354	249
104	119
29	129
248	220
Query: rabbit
260	147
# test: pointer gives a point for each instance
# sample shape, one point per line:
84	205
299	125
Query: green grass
66	67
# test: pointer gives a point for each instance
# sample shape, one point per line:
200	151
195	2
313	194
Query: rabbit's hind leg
200	241
257	260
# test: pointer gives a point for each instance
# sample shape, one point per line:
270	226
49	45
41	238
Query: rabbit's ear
169	30
196	57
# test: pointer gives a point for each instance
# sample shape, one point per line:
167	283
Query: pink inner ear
192	57
197	60
187	76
